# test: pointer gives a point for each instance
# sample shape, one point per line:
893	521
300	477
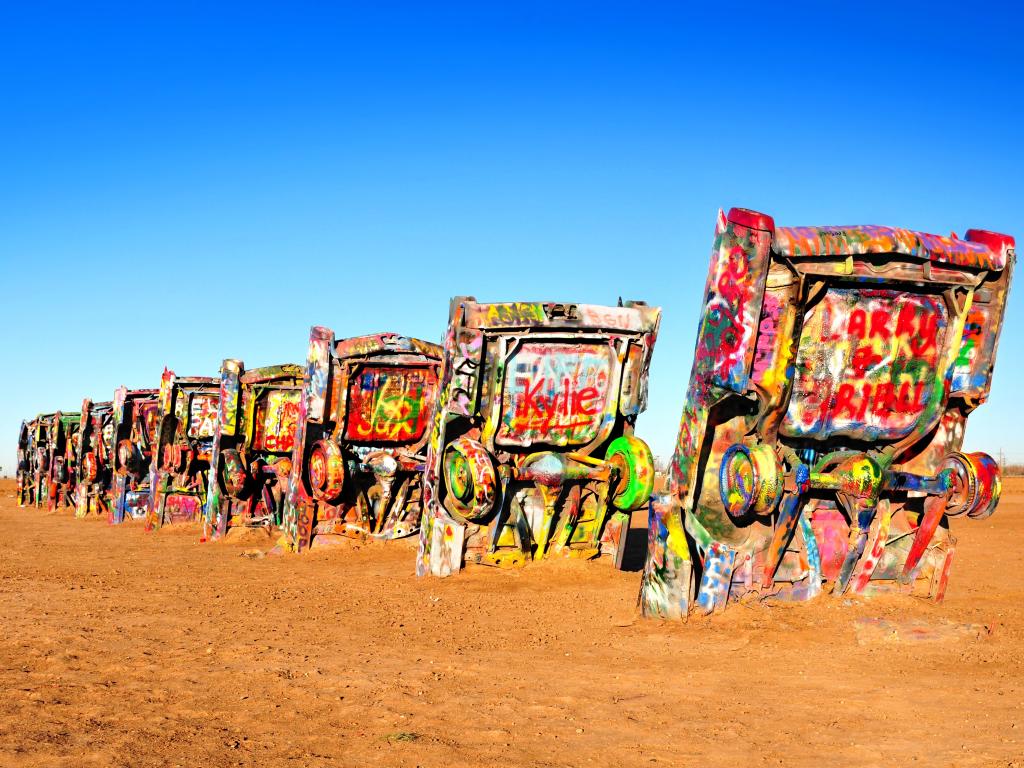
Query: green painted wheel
470	479
636	472
459	481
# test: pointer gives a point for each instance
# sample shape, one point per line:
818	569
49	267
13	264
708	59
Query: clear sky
186	184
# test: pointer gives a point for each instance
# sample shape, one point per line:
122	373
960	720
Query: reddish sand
121	648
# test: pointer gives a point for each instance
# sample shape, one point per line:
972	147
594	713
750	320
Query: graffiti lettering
276	420
389	403
567	402
203	416
623	318
554	393
857	404
918	328
522	313
866	364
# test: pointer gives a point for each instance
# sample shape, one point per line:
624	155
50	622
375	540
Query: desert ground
125	648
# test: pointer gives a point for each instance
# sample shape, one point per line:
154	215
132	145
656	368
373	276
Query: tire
635	462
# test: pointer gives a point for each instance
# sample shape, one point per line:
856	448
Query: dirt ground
122	648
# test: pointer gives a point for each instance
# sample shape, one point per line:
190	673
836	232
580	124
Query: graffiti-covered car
62	458
186	426
25	488
252	447
133	437
95	470
820	443
361	441
33	460
532	450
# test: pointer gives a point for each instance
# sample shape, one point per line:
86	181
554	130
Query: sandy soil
121	648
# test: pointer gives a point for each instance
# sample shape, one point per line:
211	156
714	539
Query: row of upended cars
819	449
339	446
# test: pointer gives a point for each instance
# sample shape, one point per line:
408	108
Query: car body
360	447
532	450
95	469
25	469
185	431
252	447
820	443
132	441
33	460
62	459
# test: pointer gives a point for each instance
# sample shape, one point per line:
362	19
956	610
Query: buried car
33	460
252	446
532	451
95	469
61	448
186	426
132	440
360	445
820	442
27	463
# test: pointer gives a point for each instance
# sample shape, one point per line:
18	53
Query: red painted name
920	329
856	402
568	401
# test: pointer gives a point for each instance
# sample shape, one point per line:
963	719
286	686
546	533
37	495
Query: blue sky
185	184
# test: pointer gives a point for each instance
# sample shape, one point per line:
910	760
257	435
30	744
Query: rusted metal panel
834	458
366	406
532	449
132	443
250	461
186	425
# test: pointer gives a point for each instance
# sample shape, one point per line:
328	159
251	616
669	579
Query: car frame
252	448
186	430
532	451
95	460
61	447
33	461
360	448
132	442
820	442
